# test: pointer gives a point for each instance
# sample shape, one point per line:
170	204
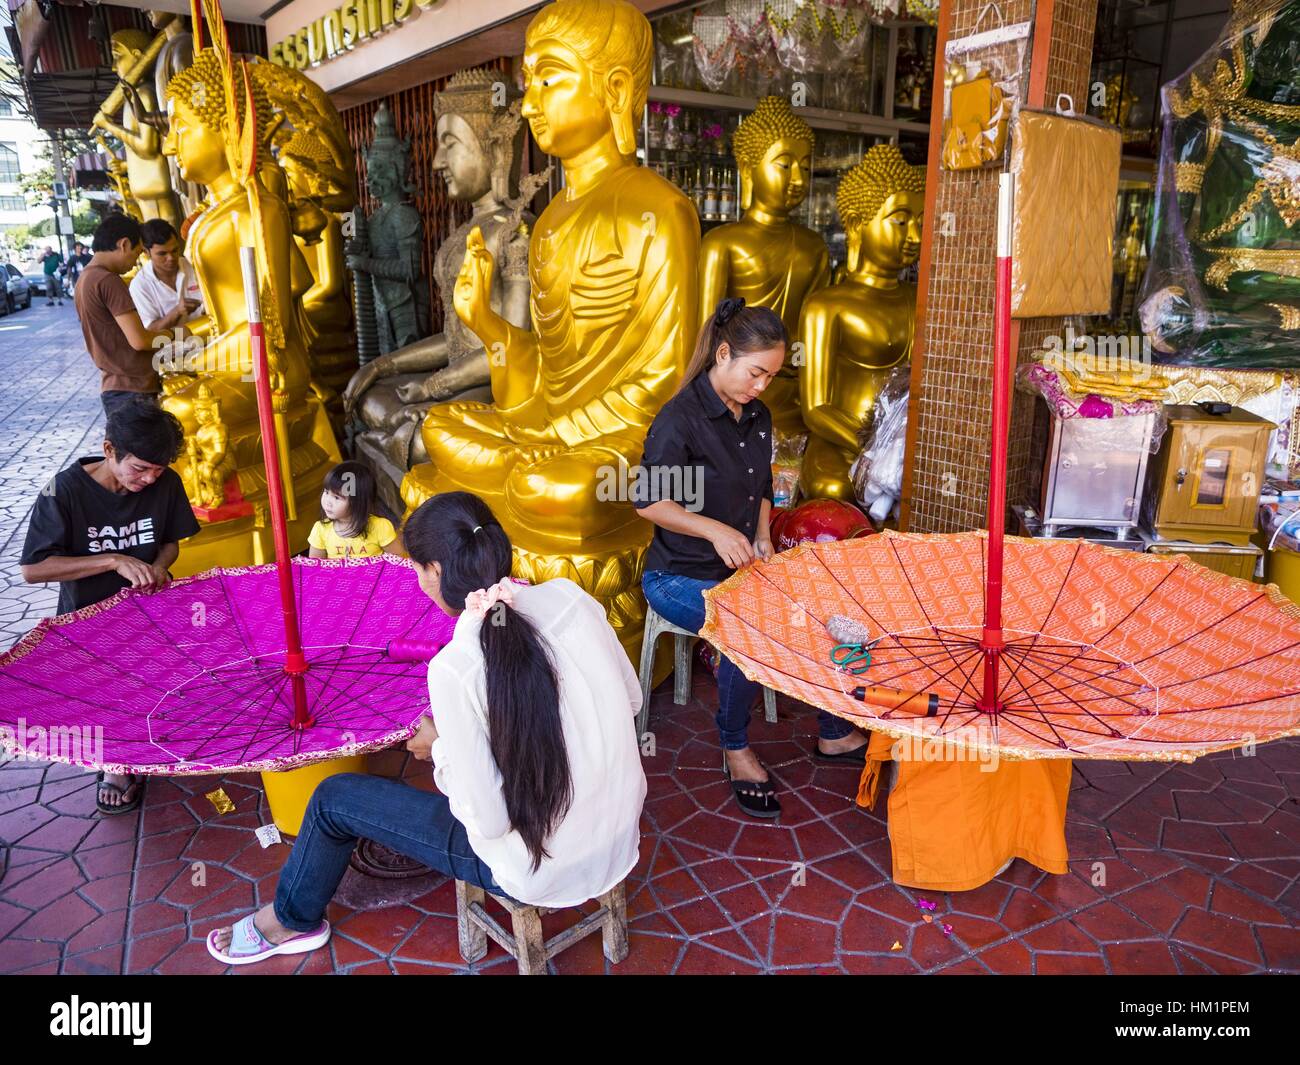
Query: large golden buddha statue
313	153
613	300
856	331
217	367
765	258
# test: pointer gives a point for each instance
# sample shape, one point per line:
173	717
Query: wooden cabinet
1205	484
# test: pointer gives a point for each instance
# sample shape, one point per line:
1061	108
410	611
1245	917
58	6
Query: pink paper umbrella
192	678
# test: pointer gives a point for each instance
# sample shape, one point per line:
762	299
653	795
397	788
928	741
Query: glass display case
857	75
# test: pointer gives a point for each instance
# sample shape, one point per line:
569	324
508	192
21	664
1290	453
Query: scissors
852	658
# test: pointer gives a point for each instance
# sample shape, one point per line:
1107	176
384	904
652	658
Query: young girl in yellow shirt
349	526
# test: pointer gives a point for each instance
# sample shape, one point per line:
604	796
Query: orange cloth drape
954	823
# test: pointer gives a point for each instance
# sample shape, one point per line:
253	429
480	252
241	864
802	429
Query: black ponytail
459	531
744	330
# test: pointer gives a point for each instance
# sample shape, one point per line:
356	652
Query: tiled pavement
1201	863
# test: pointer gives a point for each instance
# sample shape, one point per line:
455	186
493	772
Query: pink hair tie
478	603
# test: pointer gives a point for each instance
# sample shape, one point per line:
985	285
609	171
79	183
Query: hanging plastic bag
877	472
982	92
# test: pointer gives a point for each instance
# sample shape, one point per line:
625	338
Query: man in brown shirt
118	342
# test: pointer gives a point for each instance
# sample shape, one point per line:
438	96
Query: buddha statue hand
413	392
414	413
472	296
364	379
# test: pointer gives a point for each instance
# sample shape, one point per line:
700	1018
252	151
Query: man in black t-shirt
109	523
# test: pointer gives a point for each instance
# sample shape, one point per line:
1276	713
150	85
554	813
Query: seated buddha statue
1223	285
613	302
765	258
854	332
218	367
477	157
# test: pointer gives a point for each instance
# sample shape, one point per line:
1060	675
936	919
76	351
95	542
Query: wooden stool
525	943
683	640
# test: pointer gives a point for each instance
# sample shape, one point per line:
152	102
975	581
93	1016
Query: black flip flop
756	798
856	757
120	808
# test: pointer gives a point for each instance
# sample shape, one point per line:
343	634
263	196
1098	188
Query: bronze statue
478	156
391	258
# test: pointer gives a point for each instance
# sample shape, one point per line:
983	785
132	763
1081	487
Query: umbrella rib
1235	665
205	755
1018	713
1068	662
336	695
270	682
1201	632
163	633
893	546
1078	546
1138	606
1044	678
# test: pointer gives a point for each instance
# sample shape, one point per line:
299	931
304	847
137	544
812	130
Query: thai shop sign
342	29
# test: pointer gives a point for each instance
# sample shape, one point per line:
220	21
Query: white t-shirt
155	300
597	843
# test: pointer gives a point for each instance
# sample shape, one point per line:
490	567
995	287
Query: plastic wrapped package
982	92
1223	284
1115	424
877	472
1063	232
787	461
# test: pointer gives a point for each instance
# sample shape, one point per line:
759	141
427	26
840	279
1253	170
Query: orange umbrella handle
918	704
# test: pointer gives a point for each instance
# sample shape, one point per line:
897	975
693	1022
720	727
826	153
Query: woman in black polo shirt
706	484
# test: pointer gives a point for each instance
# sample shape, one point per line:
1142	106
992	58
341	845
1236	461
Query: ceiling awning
90	171
63	50
69	100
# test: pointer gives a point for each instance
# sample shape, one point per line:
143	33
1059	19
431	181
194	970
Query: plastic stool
683	641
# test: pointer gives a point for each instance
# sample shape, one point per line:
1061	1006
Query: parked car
18	290
34	275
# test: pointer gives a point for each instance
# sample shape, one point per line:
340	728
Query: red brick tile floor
1174	869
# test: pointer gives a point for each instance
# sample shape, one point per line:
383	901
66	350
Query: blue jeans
350	806
681	601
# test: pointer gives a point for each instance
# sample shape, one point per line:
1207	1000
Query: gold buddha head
881	201
773	148
199	126
127	46
478	133
586	75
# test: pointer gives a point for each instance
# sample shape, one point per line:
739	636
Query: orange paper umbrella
1105	653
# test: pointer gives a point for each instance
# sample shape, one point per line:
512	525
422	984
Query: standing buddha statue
478	154
391	256
856	331
611	268
148	174
765	258
319	172
219	364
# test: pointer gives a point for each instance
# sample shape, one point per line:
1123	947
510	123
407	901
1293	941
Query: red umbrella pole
993	641
295	663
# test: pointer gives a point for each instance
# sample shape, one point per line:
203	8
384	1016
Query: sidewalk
1175	869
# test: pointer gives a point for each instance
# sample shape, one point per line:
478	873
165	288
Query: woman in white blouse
532	735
